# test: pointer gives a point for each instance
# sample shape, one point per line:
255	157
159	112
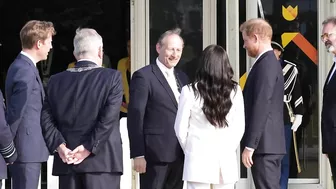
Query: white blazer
209	150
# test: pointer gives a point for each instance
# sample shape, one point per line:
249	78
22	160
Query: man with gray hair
80	119
154	95
328	119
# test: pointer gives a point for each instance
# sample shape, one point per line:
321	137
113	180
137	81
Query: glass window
185	14
221	23
242	71
109	18
295	27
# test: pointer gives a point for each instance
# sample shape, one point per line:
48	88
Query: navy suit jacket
24	95
7	148
82	108
263	98
328	121
151	115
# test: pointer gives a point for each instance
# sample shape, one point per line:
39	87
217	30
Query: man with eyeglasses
328	124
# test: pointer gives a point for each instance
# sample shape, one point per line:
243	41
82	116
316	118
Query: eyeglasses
326	36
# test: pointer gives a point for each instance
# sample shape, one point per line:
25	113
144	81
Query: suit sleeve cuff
9	152
250	149
55	151
12	158
93	148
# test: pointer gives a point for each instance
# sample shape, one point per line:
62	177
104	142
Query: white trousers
197	185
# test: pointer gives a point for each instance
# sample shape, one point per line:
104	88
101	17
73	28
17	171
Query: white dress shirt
30	57
170	77
332	72
268	49
86	60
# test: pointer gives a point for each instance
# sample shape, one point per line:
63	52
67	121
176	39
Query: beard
252	53
330	47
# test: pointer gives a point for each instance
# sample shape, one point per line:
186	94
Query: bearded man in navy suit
264	138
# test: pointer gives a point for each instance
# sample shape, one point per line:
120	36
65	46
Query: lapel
250	76
254	70
327	79
159	75
34	68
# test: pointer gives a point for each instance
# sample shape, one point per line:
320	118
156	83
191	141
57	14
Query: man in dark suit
329	102
154	94
7	148
25	94
80	119
293	110
264	138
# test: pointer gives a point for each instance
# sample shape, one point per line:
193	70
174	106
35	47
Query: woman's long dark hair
214	84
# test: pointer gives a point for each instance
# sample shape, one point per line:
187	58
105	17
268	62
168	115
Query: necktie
177	83
174	85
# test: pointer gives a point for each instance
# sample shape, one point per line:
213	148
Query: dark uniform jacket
292	90
7	149
82	108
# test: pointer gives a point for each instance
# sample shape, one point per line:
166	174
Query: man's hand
64	154
79	154
124	104
140	165
247	157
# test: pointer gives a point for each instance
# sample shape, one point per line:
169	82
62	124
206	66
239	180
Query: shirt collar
86	60
268	49
334	58
30	57
163	68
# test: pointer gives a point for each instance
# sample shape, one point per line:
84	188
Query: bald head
257	26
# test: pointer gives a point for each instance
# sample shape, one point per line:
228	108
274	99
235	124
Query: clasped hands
75	156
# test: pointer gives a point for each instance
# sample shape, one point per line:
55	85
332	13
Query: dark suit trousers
266	171
90	181
25	175
332	161
162	175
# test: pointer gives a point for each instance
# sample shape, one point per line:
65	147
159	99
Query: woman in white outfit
210	123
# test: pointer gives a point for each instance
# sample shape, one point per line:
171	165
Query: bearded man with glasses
328	119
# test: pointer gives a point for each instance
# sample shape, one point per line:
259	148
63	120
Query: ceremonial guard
293	110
